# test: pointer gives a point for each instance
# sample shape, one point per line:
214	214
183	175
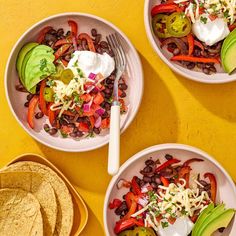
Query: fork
114	142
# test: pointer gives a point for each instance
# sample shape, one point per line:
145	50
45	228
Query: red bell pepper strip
42	102
60	51
166	164
129	197
164	8
184	173
74	27
232	27
31	110
165	181
83	127
64	62
188	162
198	44
131	211
105	123
92	121
115	203
213	183
89	41
60	42
195	59
190	44
123	225
135	186
42	34
51	115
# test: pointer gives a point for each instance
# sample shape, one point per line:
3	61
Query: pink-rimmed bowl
226	188
17	99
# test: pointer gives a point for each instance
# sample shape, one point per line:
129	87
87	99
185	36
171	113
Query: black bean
203	182
212	69
168	157
109	81
67	57
191	65
149	162
197	52
107	95
207	187
147	179
123	95
39	115
21	88
50	38
52	131
206	71
123	86
176	51
96	130
52	31
111	77
105	115
200	65
104	44
71	125
147	169
94	32
121	208
221	230
68	33
60	32
108	91
97	38
46	127
73	135
107	106
142	183
99	50
154	185
29	97
111	53
79	134
26	104
157	180
110	86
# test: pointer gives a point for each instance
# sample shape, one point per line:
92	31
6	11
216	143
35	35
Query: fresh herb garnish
203	19
164	224
50	83
64	135
80	72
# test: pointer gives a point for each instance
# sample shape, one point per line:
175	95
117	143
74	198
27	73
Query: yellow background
173	109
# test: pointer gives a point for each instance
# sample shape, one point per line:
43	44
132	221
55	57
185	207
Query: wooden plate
80	209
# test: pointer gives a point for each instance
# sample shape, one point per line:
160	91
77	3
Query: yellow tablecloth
173	109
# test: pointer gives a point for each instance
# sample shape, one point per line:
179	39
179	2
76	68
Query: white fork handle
114	143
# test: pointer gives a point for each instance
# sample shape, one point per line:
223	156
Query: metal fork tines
120	60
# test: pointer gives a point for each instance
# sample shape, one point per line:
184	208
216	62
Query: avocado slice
228	61
20	58
202	218
231	38
220	221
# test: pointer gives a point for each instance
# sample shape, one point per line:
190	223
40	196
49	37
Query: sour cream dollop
209	31
91	62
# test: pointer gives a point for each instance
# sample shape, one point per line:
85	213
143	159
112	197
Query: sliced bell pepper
213	183
64	62
188	162
165	181
89	41
198	44
31	110
166	164
42	34
42	102
129	197
83	127
232	27
184	173
60	42
51	115
190	44
195	59
123	225
135	186
60	51
66	129
105	123
74	27
98	99
131	211
92	121
164	8
115	203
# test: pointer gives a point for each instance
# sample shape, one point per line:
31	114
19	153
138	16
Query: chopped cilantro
152	196
80	72
50	83
183	212
203	19
110	100
164	224
226	14
75	64
64	135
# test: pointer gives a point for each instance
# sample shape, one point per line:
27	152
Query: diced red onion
98	122
86	106
90	88
100	111
92	76
142	201
146	188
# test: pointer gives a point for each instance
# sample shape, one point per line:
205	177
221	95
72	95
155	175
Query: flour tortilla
19	213
42	190
65	205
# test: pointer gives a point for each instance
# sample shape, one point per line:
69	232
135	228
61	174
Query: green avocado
228	60
37	65
227	42
220	221
202	218
24	50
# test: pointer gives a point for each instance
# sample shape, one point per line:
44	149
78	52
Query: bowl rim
152	149
71	14
167	61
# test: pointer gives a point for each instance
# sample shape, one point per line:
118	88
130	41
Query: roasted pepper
213	183
159	26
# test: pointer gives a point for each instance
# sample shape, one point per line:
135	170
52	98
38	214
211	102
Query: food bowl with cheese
59	81
170	189
195	39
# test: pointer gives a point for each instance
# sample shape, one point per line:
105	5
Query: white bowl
226	189
85	23
219	77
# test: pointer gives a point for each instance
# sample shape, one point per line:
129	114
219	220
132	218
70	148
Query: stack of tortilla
34	201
